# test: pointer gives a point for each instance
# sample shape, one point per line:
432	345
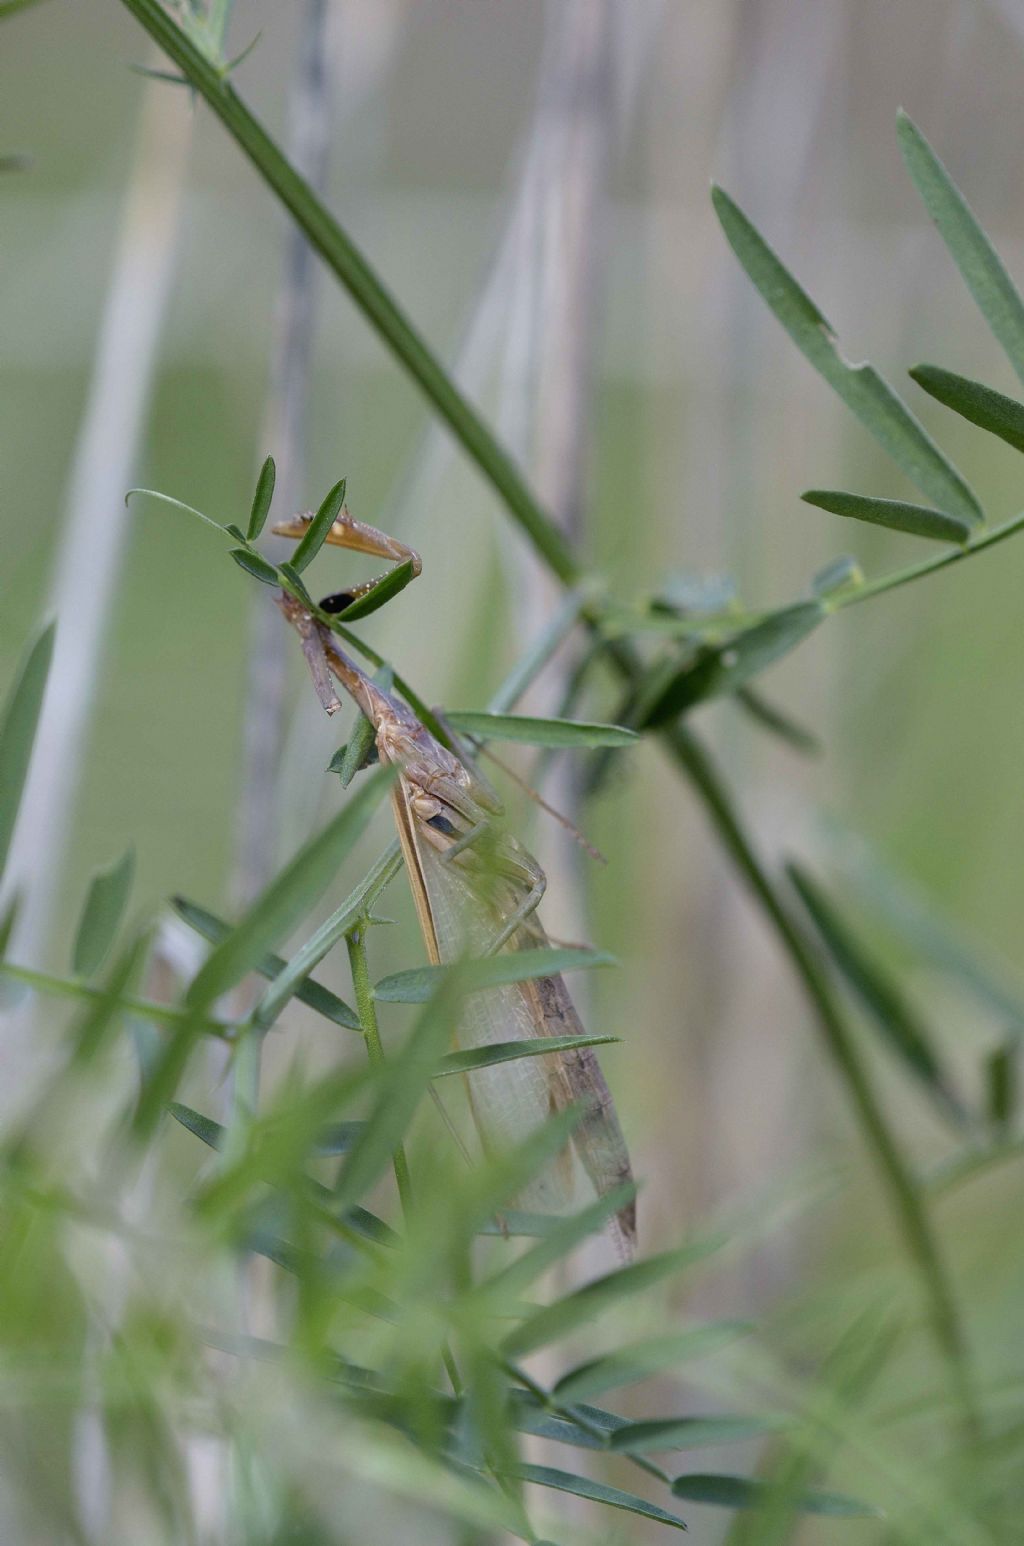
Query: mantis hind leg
515	866
526	908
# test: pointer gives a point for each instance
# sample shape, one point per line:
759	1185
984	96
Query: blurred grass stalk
546	386
92	542
83	589
262	793
285	436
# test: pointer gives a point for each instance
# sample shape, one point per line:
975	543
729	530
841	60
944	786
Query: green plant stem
366	1009
902	1188
573	1415
378	306
986	538
367	1012
491	458
146	1009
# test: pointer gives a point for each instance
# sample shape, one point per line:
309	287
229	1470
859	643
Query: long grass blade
101	916
983	271
596	1492
571	733
747	1492
892	1015
554	1321
311	993
18	732
420	983
640	1360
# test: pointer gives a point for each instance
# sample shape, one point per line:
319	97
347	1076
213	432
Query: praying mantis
476	890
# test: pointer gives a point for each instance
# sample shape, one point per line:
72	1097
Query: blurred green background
703	426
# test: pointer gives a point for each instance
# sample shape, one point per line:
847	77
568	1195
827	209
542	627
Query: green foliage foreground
361	1355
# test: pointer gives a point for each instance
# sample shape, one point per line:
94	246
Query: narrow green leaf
982	405
262	499
470	1058
342	758
420	983
726	667
890	1012
18	732
746	1492
355	753
8	918
288	898
313	994
336	1139
640	1360
256	565
914	921
313	950
236	532
102	914
150	74
1001	1071
206	1129
995	293
529	1415
838	576
896	514
558	1238
595	1492
539	732
861	388
557	1320
388	586
313	538
773	719
692	1432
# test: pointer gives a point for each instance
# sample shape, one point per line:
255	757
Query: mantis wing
458	919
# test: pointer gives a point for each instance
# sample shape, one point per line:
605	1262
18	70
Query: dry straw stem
94	535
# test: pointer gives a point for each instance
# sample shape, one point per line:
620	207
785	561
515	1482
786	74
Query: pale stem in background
89	551
545	383
497	317
559	293
285	436
94	531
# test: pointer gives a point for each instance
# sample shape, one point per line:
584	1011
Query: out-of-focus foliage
251	1290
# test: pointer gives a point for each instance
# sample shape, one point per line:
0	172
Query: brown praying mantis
476	891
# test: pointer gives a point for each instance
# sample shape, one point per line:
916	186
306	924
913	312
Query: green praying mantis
476	890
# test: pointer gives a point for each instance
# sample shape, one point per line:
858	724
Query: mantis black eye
442	824
338	602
